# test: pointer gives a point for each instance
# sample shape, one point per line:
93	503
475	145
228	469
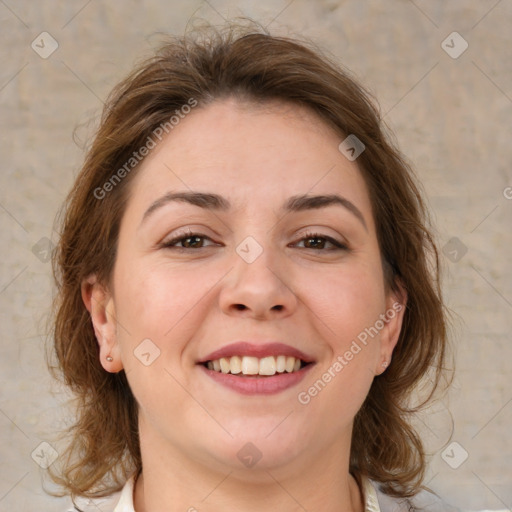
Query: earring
384	364
109	359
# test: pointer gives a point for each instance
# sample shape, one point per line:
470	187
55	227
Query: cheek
347	301
156	303
154	299
346	307
166	305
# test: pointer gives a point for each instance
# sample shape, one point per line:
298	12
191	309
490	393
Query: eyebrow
215	202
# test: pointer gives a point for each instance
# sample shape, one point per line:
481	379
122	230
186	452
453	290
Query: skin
192	302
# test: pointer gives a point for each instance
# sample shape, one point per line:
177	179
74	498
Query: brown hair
249	64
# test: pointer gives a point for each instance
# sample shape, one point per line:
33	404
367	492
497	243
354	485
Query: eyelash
306	236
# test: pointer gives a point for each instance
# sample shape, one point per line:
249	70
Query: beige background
452	117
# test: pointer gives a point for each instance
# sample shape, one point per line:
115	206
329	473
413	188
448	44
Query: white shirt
375	501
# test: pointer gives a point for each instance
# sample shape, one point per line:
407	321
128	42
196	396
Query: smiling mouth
249	366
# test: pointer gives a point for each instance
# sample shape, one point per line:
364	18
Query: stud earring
109	359
384	364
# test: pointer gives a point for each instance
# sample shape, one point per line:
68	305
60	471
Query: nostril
278	308
240	307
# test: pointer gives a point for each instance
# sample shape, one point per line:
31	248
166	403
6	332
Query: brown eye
190	241
319	242
315	243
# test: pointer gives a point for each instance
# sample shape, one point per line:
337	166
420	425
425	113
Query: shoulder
121	501
424	501
103	504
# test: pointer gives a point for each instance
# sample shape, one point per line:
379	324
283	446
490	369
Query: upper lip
259	350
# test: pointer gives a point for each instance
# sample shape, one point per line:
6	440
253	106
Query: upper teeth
248	365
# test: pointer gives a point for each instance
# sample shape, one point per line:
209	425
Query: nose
258	290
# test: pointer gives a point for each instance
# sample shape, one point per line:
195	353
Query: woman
248	292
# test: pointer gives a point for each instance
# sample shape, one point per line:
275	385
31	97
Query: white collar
125	503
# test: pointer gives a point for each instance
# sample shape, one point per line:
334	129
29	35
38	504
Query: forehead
252	154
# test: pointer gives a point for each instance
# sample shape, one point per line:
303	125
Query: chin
259	450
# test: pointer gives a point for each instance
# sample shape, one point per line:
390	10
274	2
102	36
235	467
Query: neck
171	482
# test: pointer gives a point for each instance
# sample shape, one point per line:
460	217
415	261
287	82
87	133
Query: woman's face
248	226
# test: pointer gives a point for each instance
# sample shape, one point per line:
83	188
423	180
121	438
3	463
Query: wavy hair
250	64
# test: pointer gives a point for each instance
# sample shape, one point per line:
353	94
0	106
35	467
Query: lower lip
253	385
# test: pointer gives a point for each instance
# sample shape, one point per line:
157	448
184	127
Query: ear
100	304
396	302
